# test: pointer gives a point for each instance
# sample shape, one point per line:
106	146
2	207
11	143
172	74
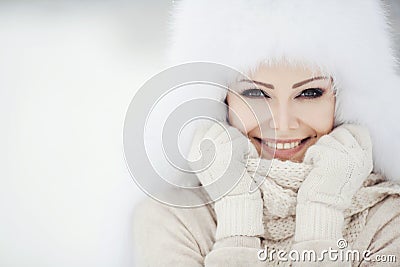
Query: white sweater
168	236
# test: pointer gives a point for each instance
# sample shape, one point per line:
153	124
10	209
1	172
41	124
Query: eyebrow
309	80
268	85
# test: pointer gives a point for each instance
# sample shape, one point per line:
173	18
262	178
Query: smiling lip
276	149
281	140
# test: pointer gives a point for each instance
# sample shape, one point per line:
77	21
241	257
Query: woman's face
301	109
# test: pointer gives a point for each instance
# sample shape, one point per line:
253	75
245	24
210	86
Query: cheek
245	114
241	117
318	115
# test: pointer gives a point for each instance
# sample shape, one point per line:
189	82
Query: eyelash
315	93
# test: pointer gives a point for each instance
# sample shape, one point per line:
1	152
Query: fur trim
350	40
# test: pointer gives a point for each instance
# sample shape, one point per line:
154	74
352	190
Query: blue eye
311	93
254	93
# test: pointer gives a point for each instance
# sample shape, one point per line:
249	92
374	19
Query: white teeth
282	145
286	145
272	145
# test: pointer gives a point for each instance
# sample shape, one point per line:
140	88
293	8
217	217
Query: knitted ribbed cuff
239	215
318	221
238	241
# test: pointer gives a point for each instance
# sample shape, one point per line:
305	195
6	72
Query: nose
283	118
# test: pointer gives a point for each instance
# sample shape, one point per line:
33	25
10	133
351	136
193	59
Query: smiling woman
309	139
302	107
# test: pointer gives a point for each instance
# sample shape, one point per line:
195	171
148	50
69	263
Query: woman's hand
221	166
222	159
342	161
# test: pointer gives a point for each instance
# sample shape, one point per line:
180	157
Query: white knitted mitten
342	160
239	212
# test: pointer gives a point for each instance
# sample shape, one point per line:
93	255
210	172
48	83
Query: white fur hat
349	39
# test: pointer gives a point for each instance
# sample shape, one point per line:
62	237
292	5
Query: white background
68	71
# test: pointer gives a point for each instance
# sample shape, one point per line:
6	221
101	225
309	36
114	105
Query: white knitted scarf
280	192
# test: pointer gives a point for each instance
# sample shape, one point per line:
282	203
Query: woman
323	159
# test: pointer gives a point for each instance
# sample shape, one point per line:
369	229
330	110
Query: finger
361	134
313	154
252	151
225	134
240	143
242	149
257	148
345	137
329	140
215	129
